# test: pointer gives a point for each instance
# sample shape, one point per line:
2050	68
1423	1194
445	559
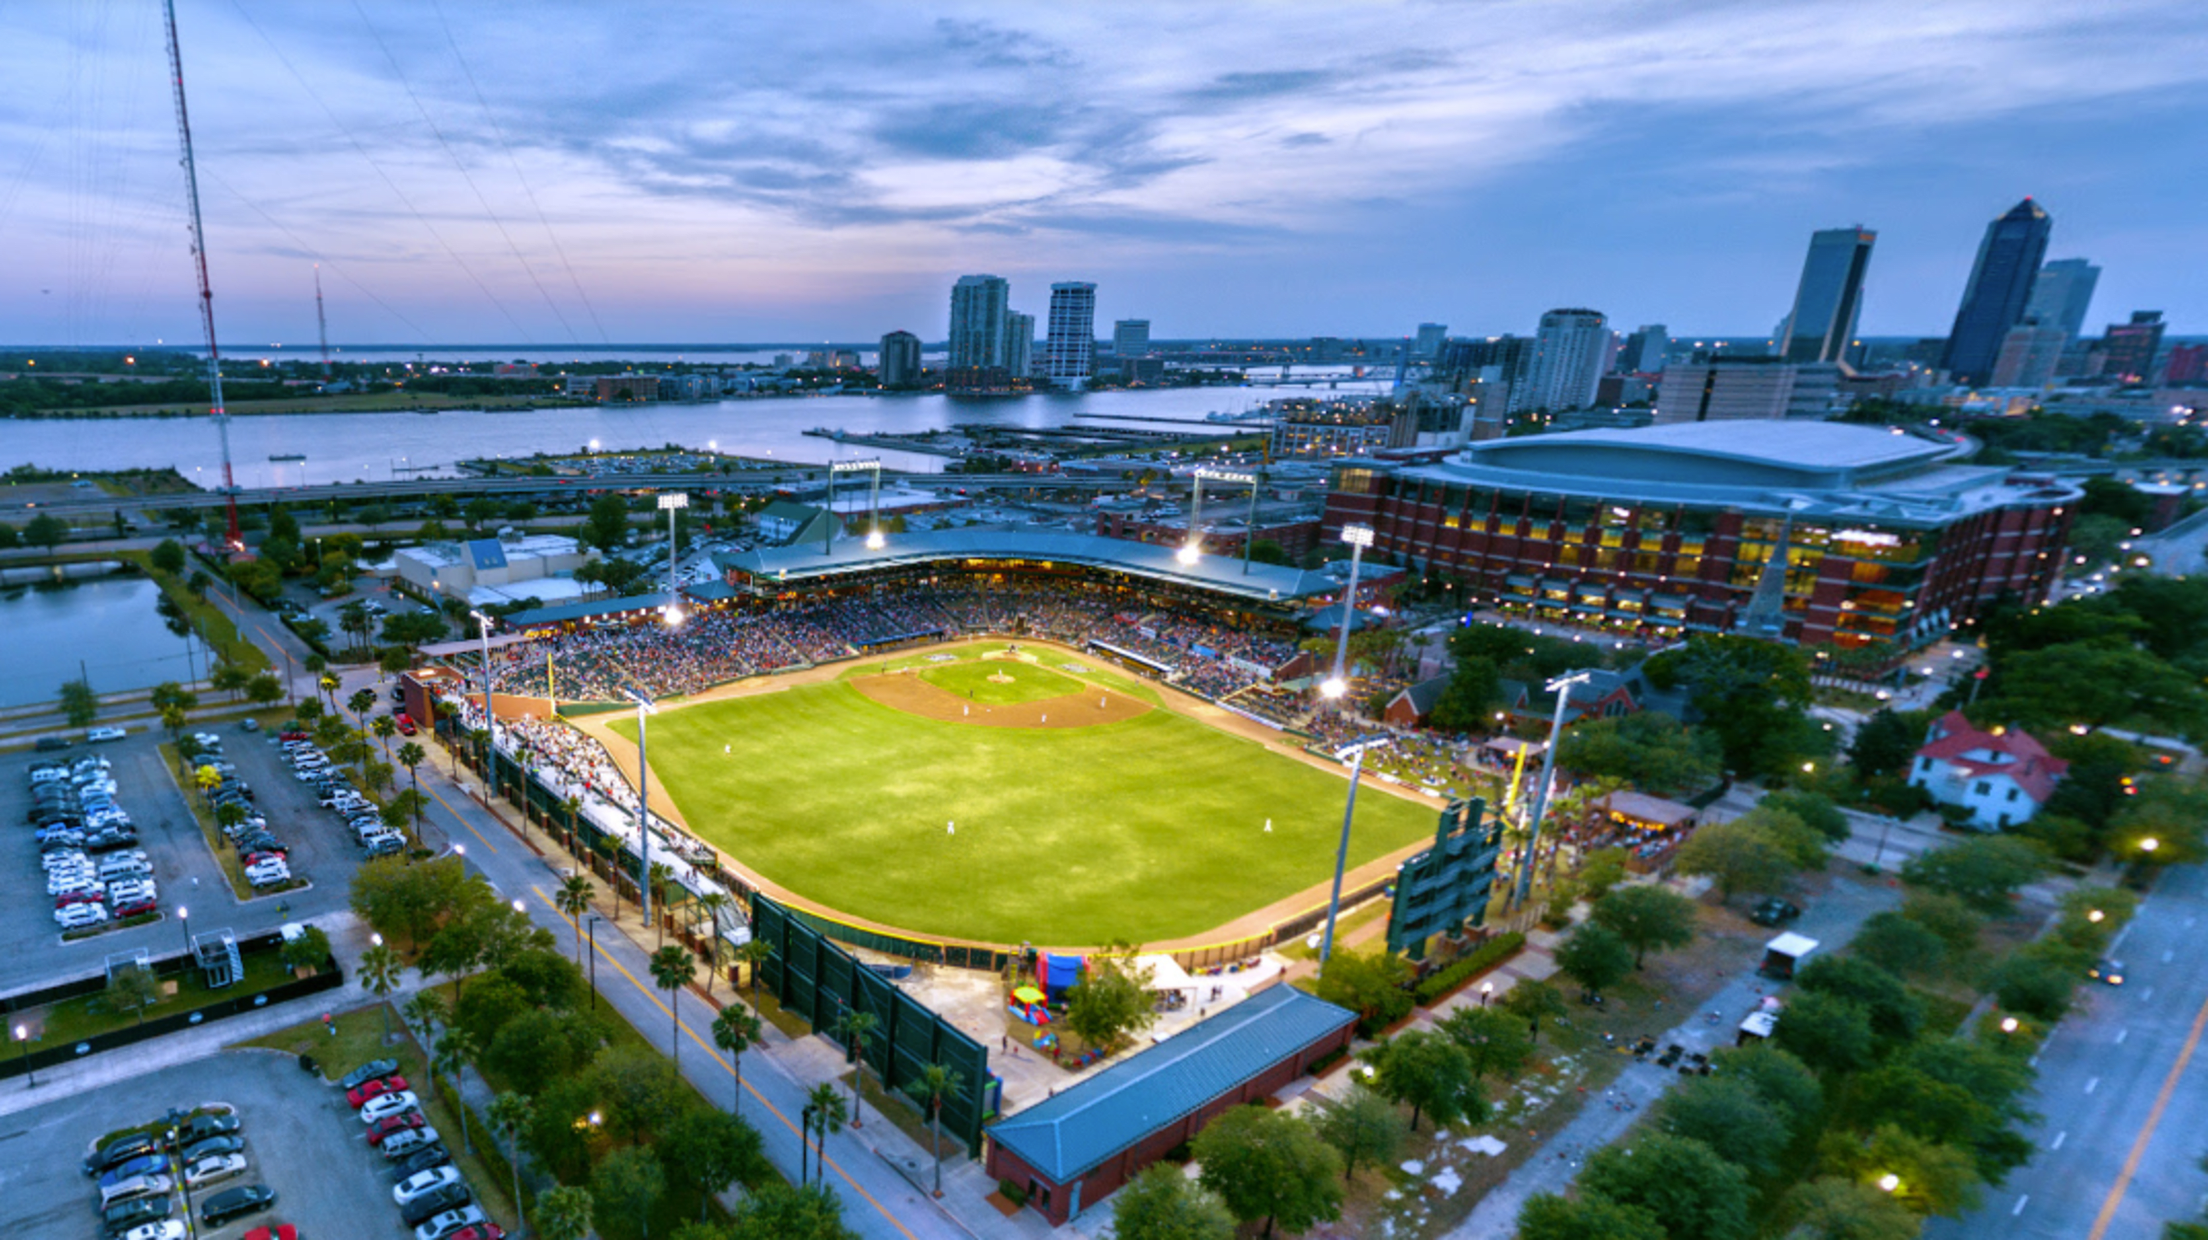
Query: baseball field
1022	796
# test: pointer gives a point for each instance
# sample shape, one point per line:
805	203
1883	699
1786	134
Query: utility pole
206	291
322	322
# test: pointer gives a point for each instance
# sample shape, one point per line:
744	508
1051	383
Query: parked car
118	1219
213	1169
383	1108
408	1141
367	1091
437	1201
105	734
390	1124
405	723
135	1187
80	916
424	1182
120	1151
281	1231
213	1146
160	1229
144	1164
1774	912
481	1231
234	1203
450	1221
204	1125
367	1072
421	1160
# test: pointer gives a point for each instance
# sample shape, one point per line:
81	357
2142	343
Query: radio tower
322	322
206	292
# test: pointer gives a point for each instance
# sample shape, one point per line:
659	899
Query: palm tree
660	874
385	727
753	954
454	1050
857	1026
564	1213
353	617
672	969
411	756
573	900
825	1105
381	972
936	1082
735	1031
425	1011
573	808
360	703
710	907
510	1115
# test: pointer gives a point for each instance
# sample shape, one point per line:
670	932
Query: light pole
23	1035
1561	687
1358	537
643	810
1355	752
590	923
490	714
184	918
672	502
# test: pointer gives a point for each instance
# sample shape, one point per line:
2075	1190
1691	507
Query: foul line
2154	1118
715	1054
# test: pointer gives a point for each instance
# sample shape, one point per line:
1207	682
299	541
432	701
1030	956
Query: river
108	625
343	447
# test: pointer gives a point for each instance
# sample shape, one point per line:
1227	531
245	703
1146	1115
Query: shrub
1012	1192
1482	958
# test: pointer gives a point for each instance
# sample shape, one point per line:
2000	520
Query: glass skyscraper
1071	345
1830	297
1999	292
2063	294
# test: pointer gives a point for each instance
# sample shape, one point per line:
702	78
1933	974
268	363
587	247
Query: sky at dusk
580	173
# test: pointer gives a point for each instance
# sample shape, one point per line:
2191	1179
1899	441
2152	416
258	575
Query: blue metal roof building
1088	1140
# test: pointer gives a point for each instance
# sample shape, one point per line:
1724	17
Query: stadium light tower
1358	537
1355	753
490	715
644	706
1562	688
673	502
874	539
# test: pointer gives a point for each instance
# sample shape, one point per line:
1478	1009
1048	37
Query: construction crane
206	291
322	322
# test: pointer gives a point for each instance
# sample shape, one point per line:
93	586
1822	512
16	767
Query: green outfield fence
819	982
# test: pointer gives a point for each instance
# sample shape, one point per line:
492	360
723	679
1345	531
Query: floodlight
1357	535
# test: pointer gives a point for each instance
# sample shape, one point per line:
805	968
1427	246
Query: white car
268	873
105	734
388	1105
449	1222
78	916
164	1229
424	1182
214	1169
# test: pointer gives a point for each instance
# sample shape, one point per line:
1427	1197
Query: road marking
715	1054
2019	1208
2146	994
2146	1131
2093	1084
2060	1137
2168	956
2121	935
461	818
2121	1034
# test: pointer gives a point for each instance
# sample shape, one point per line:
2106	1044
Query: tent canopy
1166	973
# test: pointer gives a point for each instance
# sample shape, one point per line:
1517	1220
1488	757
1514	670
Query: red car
360	1095
281	1231
292	736
481	1231
135	907
68	898
405	722
264	854
394	1123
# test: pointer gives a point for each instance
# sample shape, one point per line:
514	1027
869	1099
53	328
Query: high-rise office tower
1019	343
1430	336
900	360
978	307
1568	357
1830	296
2128	349
1131	338
2029	354
1999	291
2188	364
2063	293
1069	350
1644	350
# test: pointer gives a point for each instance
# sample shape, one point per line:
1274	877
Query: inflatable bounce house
1027	1004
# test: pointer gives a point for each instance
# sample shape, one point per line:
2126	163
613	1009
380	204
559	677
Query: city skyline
692	176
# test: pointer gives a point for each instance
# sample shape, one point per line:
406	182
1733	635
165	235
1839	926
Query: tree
1492	1040
1266	1165
1429	1072
711	1150
824	1116
46	530
79	704
935	1083
1894	1013
2096	685
480	509
751	955
783	1212
1603	869
1833	1208
1363	1127
414	628
1753	694
1372	984
1546	1216
1474	684
1682	1183
1729	1117
1112	1000
624	1186
1830	1033
1594	956
1983	873
1161	1204
673	967
1899	945
564	1213
425	1010
381	971
398	897
2038	982
1933	1178
230	678
168	556
1887	742
454	1052
573	900
532	1049
1533	1001
133	989
264	690
510	1115
607	526
1647	749
856	1027
638	1088
1741	855
311	950
1777	1077
1647	916
1814	809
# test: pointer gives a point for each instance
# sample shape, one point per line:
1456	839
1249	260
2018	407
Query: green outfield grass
970	679
1145	830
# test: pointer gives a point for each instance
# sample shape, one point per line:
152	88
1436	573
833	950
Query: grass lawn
971	678
1149	829
76	1019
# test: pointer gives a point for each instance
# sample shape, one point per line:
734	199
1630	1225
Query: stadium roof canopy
1809	469
594	610
1221	574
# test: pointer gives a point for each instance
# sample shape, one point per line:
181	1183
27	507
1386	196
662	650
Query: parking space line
715	1054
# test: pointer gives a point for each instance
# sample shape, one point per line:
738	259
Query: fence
819	982
329	977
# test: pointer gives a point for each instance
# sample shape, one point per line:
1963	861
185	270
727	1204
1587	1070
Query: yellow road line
462	818
2146	1133
715	1053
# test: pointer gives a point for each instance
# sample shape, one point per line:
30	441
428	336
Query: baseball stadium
985	739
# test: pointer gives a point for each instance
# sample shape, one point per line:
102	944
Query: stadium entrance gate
819	982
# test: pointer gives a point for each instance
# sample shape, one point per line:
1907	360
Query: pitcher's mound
1085	709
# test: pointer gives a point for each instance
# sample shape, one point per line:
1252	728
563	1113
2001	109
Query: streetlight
1355	752
590	927
1487	992
1358	537
2008	1024
643	809
23	1035
1561	687
184	918
2149	844
490	713
2095	915
671	503
1889	1182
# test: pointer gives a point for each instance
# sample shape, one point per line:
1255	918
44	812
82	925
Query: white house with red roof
2001	776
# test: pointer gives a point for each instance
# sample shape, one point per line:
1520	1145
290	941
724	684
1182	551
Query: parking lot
301	1139
31	950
